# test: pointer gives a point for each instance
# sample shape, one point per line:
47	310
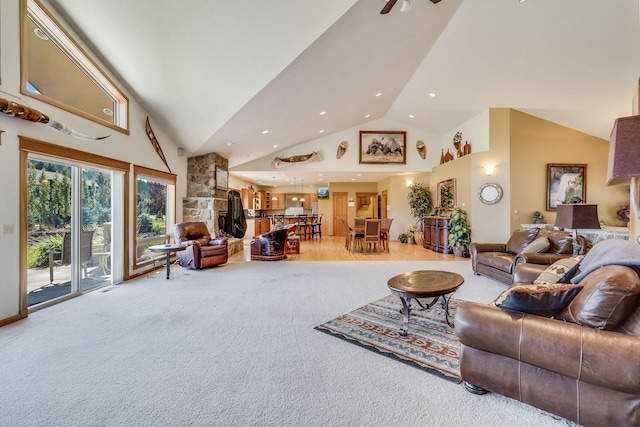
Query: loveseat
579	360
202	250
526	245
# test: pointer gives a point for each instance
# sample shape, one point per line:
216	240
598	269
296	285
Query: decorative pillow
560	271
608	297
520	239
541	244
542	300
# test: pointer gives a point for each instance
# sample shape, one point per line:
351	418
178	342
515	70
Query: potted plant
412	232
538	218
420	205
403	238
459	233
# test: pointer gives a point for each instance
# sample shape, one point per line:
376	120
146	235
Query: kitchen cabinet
262	225
247	198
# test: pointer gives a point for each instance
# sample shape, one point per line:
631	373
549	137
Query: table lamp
574	216
624	155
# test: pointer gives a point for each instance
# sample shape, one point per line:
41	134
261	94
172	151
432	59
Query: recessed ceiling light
353	179
264	132
433	95
320	174
367	116
379	94
229	144
321	130
411	116
107	111
323	113
359	174
41	34
275	146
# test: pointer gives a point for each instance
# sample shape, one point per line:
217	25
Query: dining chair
348	235
385	226
358	231
371	236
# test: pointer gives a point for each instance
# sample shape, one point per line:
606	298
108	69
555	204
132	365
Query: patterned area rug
431	344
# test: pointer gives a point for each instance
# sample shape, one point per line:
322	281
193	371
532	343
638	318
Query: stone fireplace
204	201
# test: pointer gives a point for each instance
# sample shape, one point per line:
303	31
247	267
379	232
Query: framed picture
447	194
383	147
222	178
566	183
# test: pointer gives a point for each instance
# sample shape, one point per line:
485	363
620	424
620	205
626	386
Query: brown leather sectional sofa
498	260
582	364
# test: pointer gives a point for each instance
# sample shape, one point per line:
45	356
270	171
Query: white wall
134	148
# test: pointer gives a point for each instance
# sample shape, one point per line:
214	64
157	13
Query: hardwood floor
331	248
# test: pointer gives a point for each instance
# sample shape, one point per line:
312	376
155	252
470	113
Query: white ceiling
214	73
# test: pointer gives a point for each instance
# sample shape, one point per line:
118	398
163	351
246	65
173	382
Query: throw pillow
542	300
608	296
560	271
520	239
541	244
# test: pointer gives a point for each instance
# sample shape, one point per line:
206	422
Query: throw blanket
608	252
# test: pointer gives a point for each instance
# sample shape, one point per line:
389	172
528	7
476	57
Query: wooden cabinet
247	198
262	225
436	234
266	202
278	204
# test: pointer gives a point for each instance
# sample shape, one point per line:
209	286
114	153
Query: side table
167	249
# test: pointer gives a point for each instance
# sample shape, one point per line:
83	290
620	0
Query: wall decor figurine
342	148
422	149
283	162
156	144
466	149
23	112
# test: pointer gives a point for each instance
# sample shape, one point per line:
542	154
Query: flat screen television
323	192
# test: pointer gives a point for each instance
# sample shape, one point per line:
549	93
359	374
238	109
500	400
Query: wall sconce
180	152
624	151
488	169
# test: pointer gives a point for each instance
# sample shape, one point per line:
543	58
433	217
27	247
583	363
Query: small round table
424	284
167	249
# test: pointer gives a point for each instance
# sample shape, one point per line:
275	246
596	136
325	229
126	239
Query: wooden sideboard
436	234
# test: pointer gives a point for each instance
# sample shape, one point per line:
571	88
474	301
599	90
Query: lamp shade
577	215
624	150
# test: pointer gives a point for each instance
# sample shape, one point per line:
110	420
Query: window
154	211
57	71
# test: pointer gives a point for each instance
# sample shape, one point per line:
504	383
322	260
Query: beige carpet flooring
233	346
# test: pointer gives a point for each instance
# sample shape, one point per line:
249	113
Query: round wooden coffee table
424	284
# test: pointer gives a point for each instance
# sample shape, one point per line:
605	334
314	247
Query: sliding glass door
69	228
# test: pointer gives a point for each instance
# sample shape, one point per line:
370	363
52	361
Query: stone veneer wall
204	200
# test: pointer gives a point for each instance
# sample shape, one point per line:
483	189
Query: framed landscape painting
566	183
383	147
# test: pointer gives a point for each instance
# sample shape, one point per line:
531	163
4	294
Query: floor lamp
574	216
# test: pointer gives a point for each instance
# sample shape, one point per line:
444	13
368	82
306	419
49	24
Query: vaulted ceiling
216	74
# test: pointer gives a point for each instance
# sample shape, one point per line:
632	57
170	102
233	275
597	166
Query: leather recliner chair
202	250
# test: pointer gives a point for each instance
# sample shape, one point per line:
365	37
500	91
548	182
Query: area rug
430	345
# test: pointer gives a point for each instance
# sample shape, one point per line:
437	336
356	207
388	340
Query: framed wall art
566	183
383	147
222	178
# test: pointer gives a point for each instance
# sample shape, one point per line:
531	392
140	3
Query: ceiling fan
390	3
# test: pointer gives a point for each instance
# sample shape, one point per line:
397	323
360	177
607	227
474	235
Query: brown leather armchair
498	260
272	245
202	250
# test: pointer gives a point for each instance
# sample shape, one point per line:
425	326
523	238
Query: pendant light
302	189
273	192
294	198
